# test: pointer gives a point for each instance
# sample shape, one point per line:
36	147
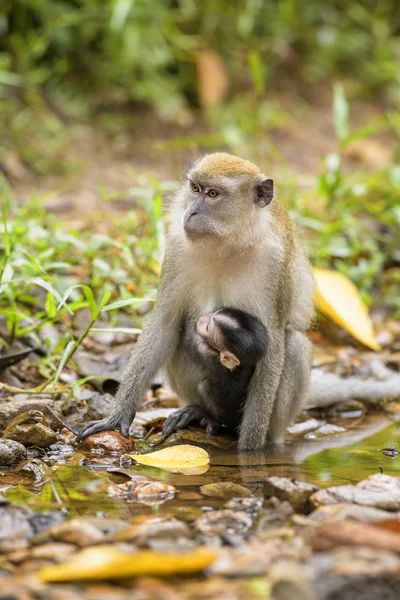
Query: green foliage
50	272
72	55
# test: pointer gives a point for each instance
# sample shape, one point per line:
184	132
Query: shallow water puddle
83	484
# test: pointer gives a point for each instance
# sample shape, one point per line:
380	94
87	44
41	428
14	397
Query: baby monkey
225	346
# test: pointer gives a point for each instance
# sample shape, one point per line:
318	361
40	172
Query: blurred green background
103	102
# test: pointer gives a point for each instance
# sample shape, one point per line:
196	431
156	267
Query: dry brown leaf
338	298
212	80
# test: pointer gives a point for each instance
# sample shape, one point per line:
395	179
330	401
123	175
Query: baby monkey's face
211	329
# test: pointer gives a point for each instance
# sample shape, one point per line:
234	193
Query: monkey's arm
159	338
262	392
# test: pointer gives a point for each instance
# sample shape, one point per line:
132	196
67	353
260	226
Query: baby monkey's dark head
234	336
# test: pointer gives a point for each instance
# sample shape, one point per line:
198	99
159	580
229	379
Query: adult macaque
230	243
226	346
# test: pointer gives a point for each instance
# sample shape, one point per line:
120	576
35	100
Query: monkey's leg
262	394
294	386
185	416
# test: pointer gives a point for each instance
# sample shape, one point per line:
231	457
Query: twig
61	421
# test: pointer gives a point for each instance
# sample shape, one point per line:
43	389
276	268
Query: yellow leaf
212	80
105	562
338	298
187	459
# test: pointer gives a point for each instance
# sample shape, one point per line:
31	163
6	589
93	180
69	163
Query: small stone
324	431
348	409
379	490
31	429
297	493
35	469
339	512
224	489
223	522
77	531
11	453
108	441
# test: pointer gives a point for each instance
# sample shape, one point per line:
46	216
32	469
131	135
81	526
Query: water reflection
81	484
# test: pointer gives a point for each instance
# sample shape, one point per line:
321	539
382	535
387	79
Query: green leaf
50	305
122	303
105	299
64	359
92	302
340	112
132	330
88	295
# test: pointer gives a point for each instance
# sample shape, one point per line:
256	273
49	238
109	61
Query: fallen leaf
212	80
105	562
186	459
338	298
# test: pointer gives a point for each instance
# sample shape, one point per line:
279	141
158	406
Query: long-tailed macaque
230	243
226	345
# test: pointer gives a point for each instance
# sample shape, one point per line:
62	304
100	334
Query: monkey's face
220	191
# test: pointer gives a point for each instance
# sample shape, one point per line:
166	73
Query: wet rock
65	436
20	404
77	531
324	431
364	561
349	533
12	545
299	429
147	492
11	453
379	490
250	505
240	563
31	429
108	441
339	512
92	406
162	528
14	523
348	409
60	450
35	469
54	551
224	489
223	522
275	513
391	451
42	521
291	580
297	493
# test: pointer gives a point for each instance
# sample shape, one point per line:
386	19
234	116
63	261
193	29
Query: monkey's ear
229	360
264	192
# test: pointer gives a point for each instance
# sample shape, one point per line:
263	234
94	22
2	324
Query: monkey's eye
213	194
195	188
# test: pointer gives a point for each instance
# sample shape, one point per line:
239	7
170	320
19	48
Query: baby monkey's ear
229	360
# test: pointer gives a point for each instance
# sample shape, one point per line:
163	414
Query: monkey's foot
111	423
182	418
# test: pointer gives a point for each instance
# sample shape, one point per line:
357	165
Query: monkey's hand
180	419
117	422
